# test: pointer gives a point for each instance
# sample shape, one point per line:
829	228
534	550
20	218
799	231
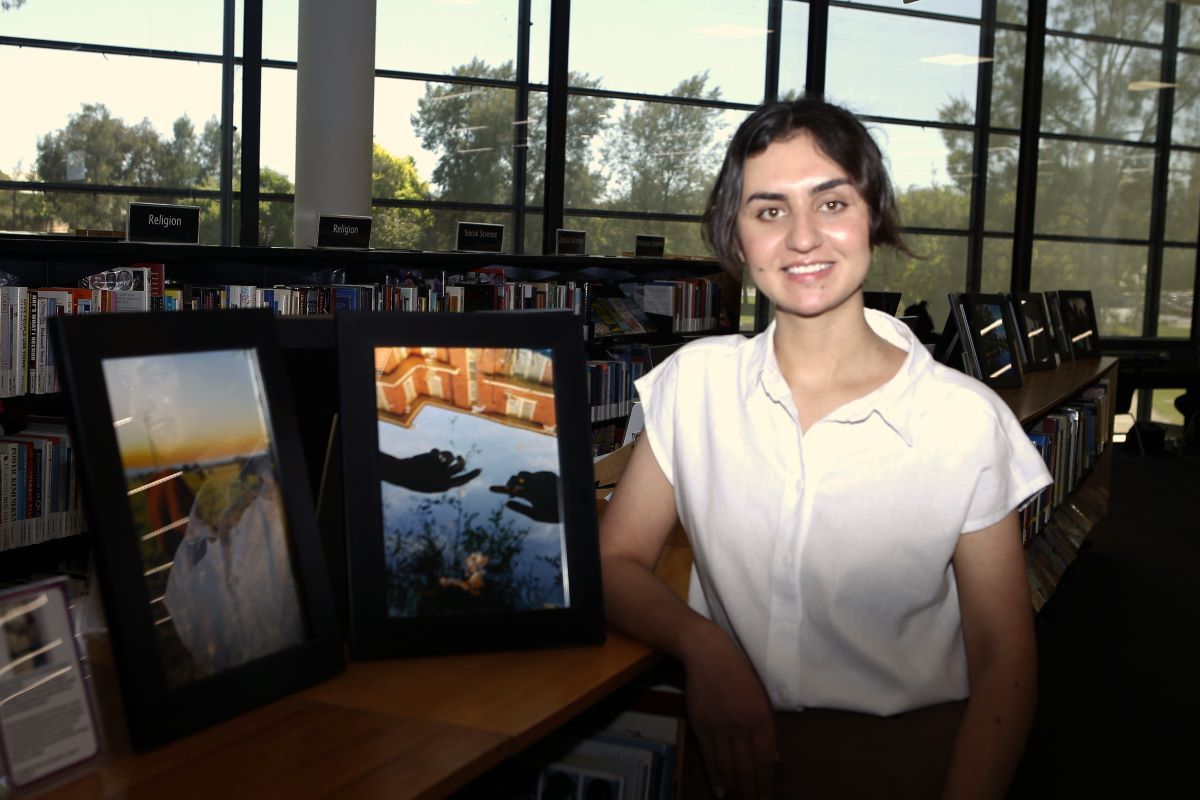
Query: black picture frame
948	349
1034	333
186	441
887	302
309	343
988	334
1079	322
449	512
1061	343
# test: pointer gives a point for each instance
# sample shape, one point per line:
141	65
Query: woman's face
804	230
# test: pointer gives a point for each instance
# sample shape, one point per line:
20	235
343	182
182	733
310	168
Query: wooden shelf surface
1041	391
398	728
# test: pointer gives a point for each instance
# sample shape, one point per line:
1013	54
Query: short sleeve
1011	470
657	392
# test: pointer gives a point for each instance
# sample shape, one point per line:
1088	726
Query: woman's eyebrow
773	196
824	186
827	185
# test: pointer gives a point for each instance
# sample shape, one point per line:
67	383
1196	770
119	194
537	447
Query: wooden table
402	728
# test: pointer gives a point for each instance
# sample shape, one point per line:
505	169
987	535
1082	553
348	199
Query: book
574	775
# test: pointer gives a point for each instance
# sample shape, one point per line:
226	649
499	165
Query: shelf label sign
335	230
160	222
649	246
570	243
480	237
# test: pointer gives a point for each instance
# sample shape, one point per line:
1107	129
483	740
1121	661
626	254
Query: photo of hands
469	475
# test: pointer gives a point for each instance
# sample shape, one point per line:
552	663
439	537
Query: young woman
858	620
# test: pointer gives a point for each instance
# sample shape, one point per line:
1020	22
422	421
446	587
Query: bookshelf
1049	553
40	261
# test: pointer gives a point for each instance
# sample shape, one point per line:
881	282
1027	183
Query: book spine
44	381
7	492
6	344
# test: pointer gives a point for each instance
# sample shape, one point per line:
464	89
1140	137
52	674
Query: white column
335	102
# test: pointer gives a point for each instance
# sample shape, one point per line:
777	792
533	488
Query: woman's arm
728	708
997	618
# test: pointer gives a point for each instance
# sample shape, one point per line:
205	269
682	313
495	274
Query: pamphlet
47	723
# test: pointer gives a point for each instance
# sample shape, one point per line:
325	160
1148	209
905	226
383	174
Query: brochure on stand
47	722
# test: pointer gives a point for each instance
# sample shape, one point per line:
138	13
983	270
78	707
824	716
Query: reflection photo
194	439
469	470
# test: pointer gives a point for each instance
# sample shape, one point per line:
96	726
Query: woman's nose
805	232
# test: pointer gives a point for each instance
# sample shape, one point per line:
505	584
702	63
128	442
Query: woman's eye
833	205
769	213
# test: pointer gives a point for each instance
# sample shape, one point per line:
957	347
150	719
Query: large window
656	89
459	130
1102	151
99	111
912	73
1107	195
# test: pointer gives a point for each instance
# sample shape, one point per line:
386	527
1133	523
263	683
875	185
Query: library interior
490	223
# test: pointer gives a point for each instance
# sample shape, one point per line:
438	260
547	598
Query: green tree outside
396	178
659	158
276	219
472	131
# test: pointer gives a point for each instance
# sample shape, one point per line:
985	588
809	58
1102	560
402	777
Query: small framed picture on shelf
1034	334
1062	344
949	346
887	302
1079	322
211	570
988	338
470	514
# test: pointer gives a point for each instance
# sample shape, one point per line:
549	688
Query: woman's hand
731	717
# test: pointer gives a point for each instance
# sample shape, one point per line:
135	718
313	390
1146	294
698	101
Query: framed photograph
1061	343
214	585
1079	322
1033	331
309	343
887	302
470	515
988	337
949	347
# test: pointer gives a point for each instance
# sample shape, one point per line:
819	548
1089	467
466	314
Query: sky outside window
133	89
190	26
651	48
961	8
725	38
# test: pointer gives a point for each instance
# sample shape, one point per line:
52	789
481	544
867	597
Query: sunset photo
194	437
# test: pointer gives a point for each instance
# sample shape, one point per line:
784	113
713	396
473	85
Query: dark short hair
837	133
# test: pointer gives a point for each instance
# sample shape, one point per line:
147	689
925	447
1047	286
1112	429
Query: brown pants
840	754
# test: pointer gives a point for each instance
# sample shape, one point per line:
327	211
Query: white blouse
826	556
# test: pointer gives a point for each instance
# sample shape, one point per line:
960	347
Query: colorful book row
39	493
610	381
1070	438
